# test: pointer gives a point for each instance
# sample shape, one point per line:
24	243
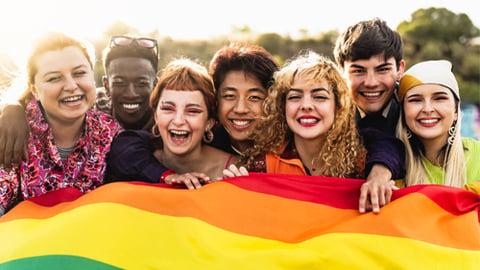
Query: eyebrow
320	89
171	103
58	71
384	65
228	88
164	103
294	90
434	93
312	90
255	89
413	95
379	66
441	93
356	66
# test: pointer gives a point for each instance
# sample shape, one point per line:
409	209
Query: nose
179	118
241	106
307	105
427	107
70	84
130	90
371	80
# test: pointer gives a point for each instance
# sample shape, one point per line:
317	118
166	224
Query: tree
437	33
272	42
438	24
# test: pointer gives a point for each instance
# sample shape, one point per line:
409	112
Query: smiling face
429	112
309	109
372	81
130	81
182	119
240	98
64	85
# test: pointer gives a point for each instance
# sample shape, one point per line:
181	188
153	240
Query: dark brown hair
366	39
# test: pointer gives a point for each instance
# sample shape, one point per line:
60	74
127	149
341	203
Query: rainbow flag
262	221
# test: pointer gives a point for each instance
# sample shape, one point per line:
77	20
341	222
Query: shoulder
216	152
132	140
218	155
136	134
471	144
102	121
221	140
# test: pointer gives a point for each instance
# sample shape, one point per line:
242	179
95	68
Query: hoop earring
155	131
409	134
451	133
208	136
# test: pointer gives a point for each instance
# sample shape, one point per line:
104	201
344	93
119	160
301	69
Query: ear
400	70
210	124
105	84
154	112
33	90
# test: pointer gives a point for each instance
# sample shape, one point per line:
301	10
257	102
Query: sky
21	21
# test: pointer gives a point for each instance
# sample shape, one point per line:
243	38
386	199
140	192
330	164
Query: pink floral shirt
45	171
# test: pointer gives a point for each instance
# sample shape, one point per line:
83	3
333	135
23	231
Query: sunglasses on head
144	42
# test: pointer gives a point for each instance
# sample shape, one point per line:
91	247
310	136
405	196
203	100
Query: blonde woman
309	128
430	128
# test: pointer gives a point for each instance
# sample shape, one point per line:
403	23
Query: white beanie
429	72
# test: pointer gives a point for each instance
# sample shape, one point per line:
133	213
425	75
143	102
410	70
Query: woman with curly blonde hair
309	125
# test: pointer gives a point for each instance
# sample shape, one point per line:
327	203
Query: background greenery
433	33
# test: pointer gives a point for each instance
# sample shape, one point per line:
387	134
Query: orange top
276	164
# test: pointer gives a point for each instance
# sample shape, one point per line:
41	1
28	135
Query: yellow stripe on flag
134	239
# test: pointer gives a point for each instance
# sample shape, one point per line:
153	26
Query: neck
433	151
184	163
308	151
241	146
67	135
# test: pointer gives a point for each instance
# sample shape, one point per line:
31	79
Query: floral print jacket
45	171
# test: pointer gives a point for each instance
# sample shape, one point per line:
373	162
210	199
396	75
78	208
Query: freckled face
182	119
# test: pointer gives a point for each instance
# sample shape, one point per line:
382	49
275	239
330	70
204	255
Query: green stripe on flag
54	262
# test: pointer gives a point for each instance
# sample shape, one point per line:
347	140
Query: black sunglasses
118	41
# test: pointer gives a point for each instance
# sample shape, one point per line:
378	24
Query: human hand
233	171
190	180
13	135
473	187
377	190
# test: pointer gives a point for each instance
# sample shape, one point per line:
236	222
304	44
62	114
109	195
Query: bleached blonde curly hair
342	153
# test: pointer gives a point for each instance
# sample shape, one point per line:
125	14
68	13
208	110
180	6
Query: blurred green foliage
437	33
433	33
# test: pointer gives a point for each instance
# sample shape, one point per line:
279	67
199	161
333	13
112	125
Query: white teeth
241	122
370	94
307	120
72	99
429	121
179	133
131	106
